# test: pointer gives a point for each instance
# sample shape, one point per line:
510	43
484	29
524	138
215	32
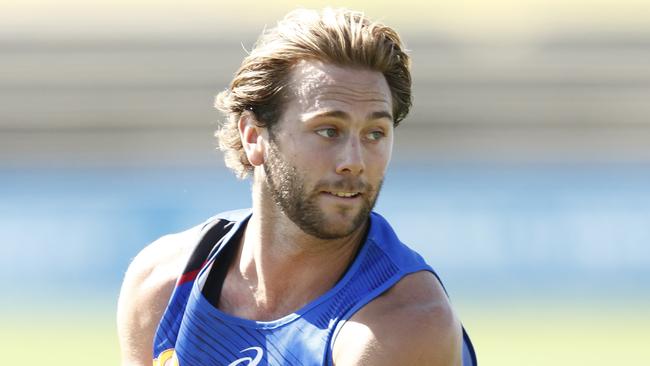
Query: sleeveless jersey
193	332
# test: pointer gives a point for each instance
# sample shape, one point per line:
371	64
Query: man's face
326	161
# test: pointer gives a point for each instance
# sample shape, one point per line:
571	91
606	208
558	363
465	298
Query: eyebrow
380	115
345	116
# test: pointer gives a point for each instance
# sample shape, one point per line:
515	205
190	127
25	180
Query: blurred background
522	173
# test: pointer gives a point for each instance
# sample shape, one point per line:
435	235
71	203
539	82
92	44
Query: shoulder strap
208	242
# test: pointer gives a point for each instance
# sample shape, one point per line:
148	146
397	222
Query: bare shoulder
146	289
411	324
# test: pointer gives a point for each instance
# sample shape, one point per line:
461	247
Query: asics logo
250	361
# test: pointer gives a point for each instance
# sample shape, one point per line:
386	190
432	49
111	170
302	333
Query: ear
252	138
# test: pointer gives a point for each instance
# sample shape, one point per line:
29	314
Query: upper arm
412	324
146	289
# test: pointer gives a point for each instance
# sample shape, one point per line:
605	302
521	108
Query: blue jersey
194	332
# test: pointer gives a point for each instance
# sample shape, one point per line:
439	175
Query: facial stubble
287	189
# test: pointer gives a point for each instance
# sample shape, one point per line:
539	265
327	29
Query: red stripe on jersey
190	276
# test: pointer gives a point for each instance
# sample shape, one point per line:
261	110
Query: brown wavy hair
338	36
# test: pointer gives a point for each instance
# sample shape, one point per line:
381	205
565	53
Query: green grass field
573	334
505	334
59	339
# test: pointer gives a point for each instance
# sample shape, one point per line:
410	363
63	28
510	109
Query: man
309	275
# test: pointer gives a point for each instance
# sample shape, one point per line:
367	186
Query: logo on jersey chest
166	358
253	358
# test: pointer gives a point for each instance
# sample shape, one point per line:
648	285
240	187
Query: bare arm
145	292
412	324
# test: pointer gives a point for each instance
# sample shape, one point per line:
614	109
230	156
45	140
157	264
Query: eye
375	135
328	132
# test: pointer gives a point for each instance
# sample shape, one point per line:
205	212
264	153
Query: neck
280	268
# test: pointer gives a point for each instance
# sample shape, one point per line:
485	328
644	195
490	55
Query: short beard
287	189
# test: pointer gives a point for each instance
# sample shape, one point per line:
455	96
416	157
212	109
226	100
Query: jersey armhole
329	360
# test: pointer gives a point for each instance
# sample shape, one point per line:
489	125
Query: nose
351	158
